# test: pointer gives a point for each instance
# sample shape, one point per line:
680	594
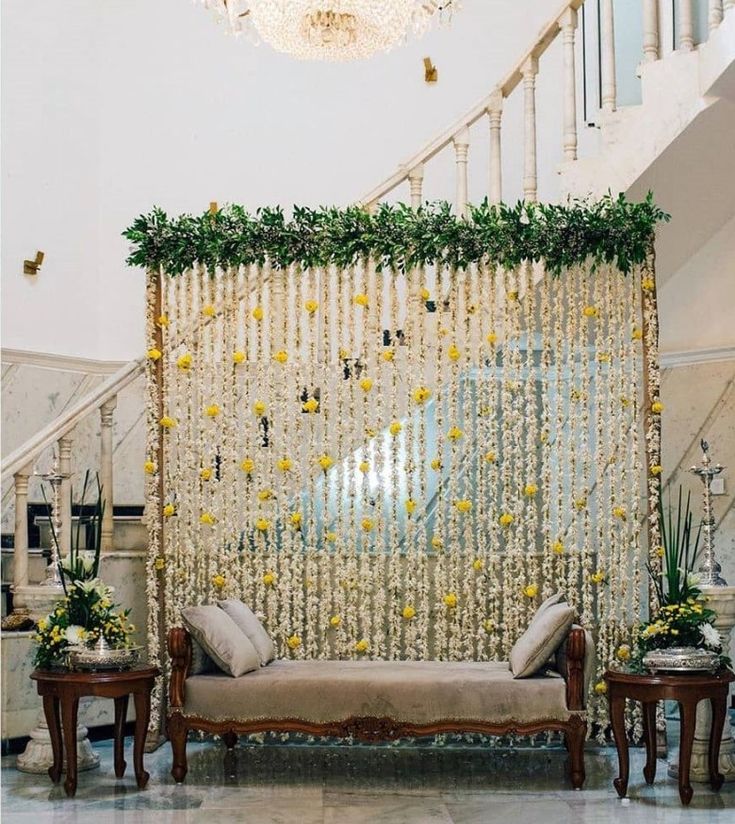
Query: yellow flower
421	394
159	563
364	466
657	407
239	357
603	357
478	565
366	384
205	473
361	300
492	338
335	621
154	354
331	537
506	519
212	410
463	505
425	293
557	548
395	427
388	355
450	600
623	652
325	461
169	510
601	688
265	494
219	581
208	311
258	313
598	577
269	578
206	518
490	457
259	408
42	624
619	512
488	625
647	284
284	464
362	646
408	612
453	353
311	405
247	465
367	524
637	334
437	542
311	306
370	432
162	320
580	504
262	524
531	590
455	433
296	519
513	294
281	356
293	641
184	361
591	312
529	490
624	402
167	423
656	469
149	467
343	354
436	463
410	506
660	551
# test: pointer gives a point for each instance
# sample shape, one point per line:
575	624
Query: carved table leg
142	717
649	734
53	722
688	713
719	710
617	719
121	713
69	713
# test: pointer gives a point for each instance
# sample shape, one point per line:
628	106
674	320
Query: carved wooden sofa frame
372	729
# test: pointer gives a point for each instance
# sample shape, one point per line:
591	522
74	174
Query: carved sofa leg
230	739
574	737
177	731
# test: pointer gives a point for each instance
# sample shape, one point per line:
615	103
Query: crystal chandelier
331	29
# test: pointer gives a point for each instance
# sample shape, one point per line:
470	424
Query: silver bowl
102	657
681	659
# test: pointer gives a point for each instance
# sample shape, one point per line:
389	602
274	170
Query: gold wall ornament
431	74
31	267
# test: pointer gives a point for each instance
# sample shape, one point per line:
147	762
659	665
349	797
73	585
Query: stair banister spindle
715	14
416	184
461	149
686	25
530	181
607	62
495	115
20	541
64	446
106	479
650	31
568	25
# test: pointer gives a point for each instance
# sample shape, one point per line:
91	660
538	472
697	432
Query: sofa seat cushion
419	692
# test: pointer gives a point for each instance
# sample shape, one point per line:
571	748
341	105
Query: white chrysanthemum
75	635
710	636
693	580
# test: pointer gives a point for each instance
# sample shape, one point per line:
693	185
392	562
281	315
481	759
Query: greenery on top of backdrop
398	236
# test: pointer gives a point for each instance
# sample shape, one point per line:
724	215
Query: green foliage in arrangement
610	230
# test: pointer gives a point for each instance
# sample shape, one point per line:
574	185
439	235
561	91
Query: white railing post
650	31
106	478
416	183
686	25
64	446
607	62
461	142
715	14
20	540
495	116
568	25
530	182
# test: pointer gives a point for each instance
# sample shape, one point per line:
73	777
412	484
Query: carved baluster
607	62
715	14
495	115
568	24
650	31
106	451
461	149
686	25
20	545
64	446
416	182
529	72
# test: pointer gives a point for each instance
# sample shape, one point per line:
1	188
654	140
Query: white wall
111	107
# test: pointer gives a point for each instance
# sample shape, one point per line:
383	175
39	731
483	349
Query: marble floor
367	785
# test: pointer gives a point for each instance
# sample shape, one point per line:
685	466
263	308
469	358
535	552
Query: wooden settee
380	700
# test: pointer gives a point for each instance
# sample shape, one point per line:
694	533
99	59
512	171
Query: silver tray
681	659
86	658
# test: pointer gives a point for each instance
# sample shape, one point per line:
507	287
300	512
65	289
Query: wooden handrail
64	423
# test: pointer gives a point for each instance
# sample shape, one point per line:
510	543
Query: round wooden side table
687	690
61	691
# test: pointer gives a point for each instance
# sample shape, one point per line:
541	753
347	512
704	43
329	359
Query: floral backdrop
400	451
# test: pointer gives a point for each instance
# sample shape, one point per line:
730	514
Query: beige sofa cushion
247	621
419	692
221	639
556	598
541	640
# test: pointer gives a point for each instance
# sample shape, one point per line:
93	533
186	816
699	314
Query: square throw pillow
544	634
556	598
248	623
221	638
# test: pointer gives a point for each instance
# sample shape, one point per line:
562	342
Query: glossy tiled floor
336	785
